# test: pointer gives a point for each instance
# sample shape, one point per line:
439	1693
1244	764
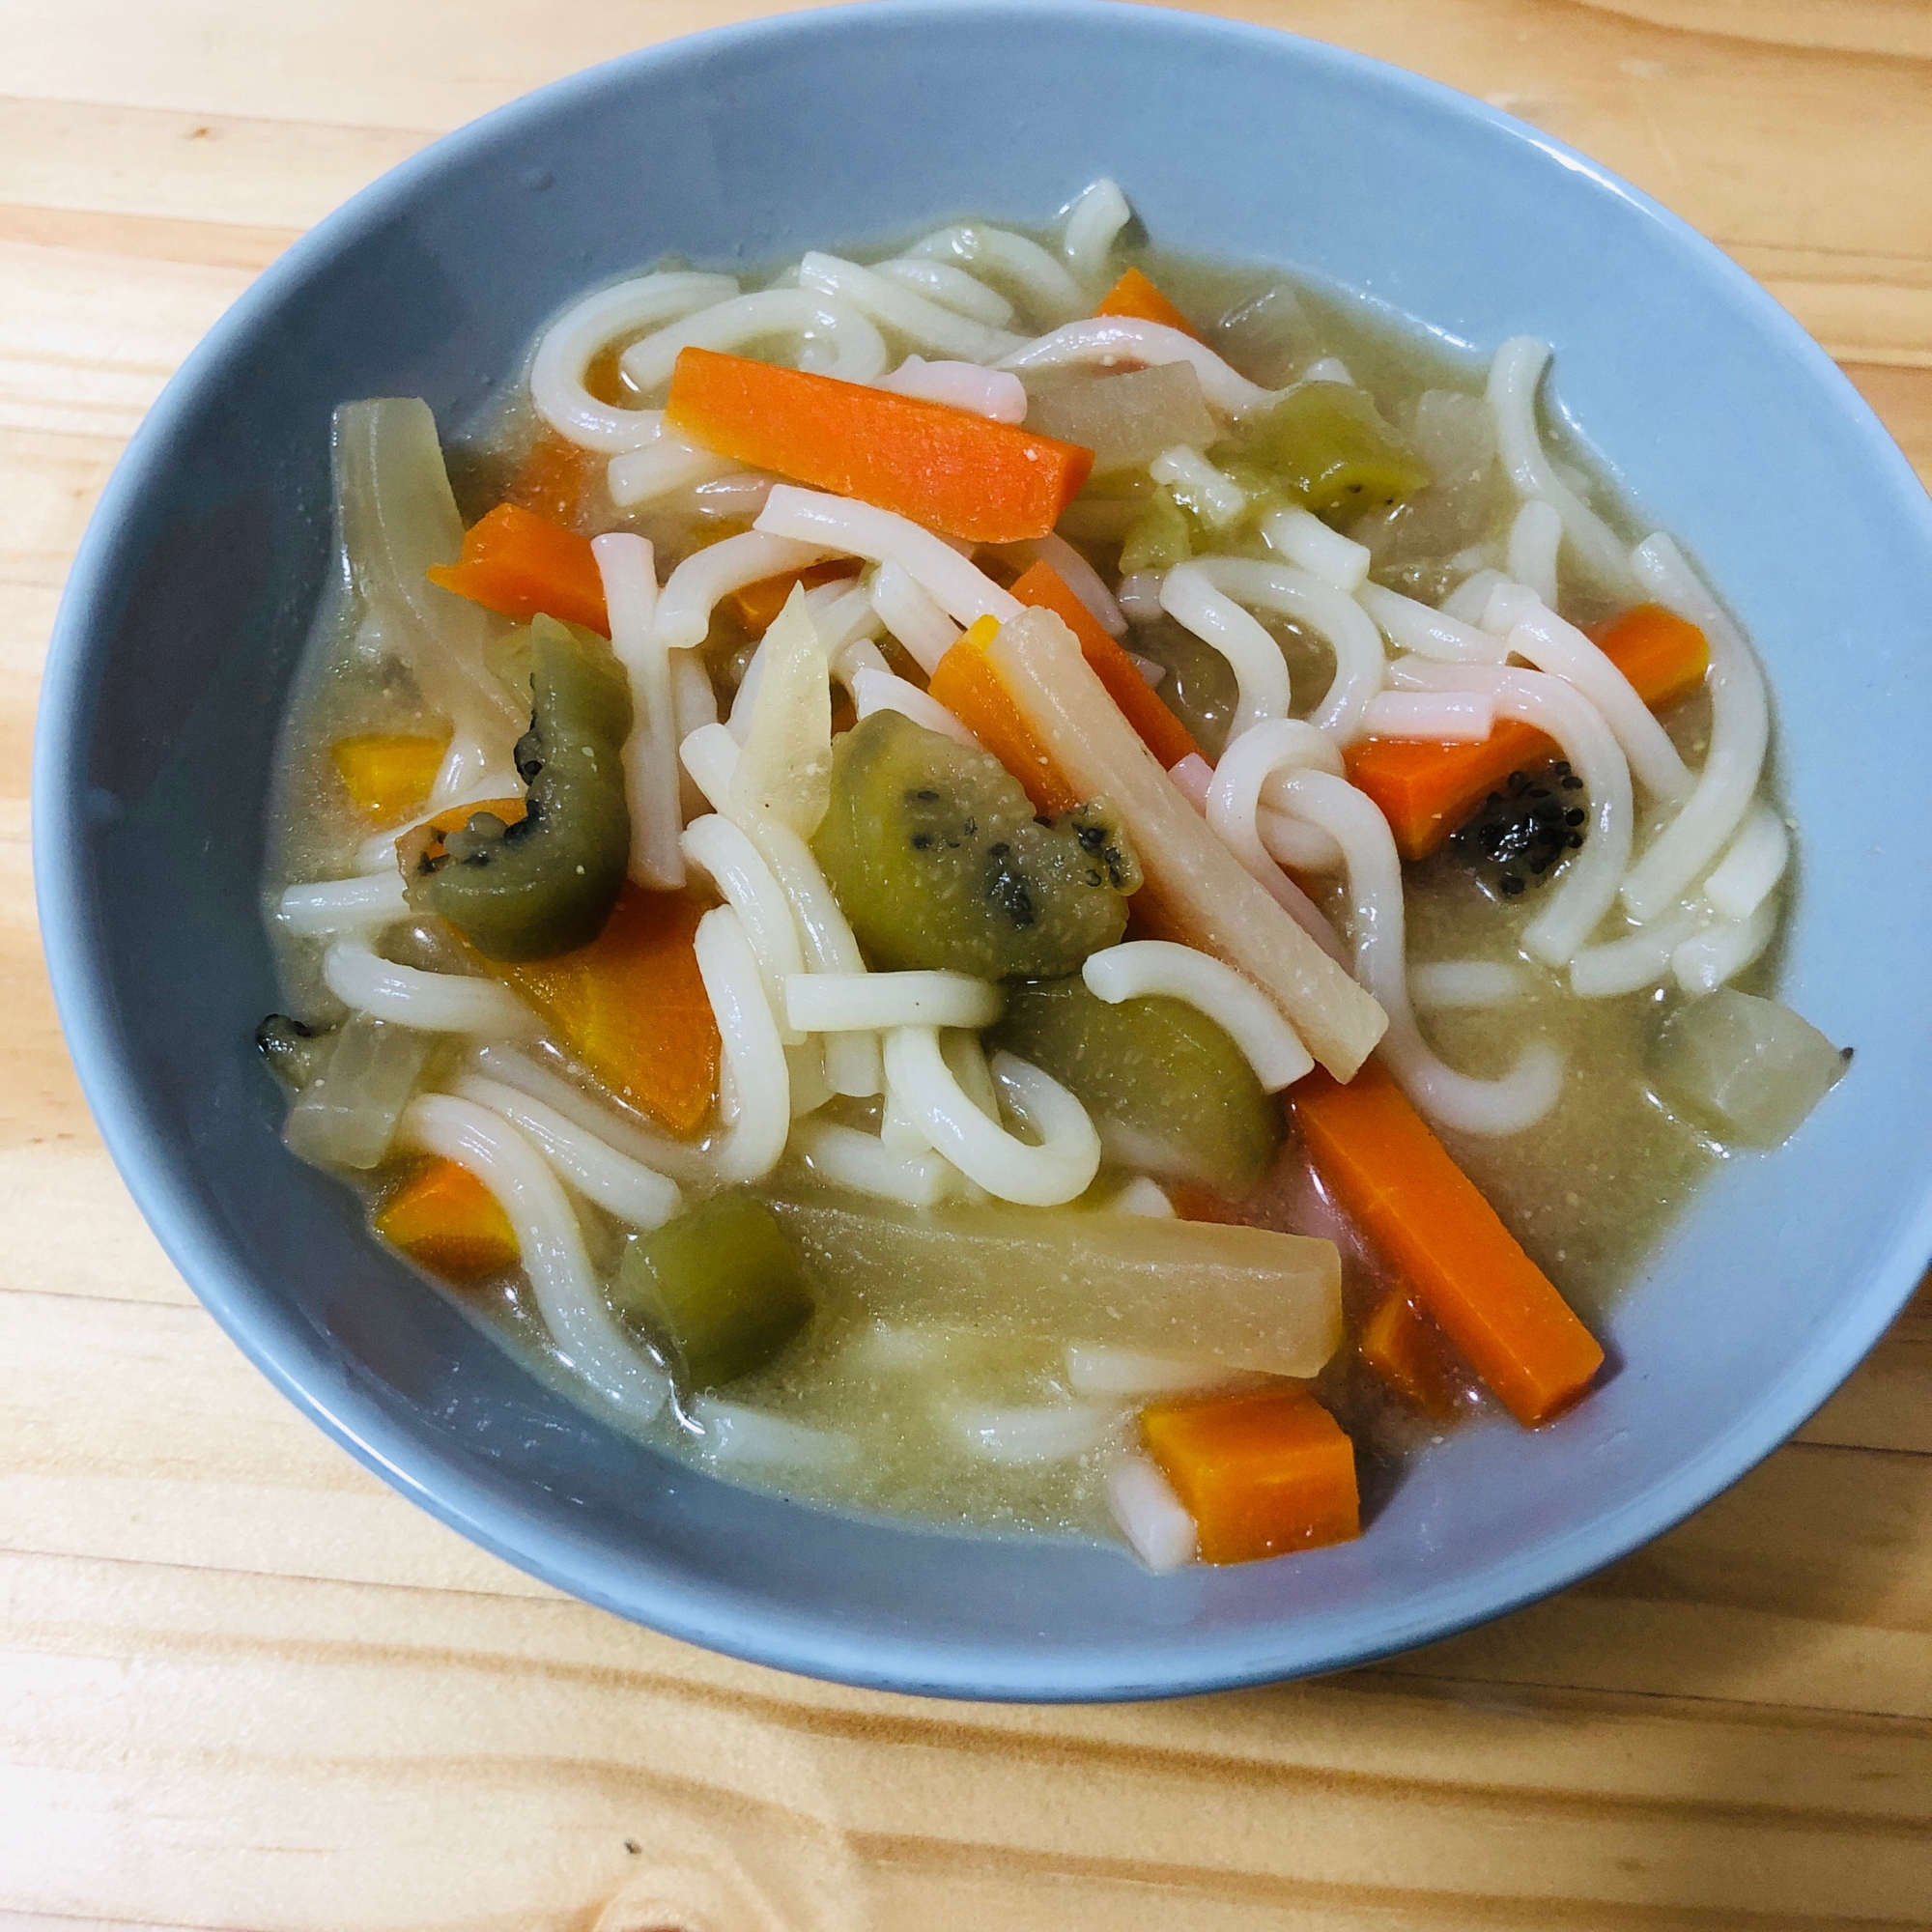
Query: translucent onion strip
429	1001
364	904
1746	875
1094	223
1106	341
1304	539
845	1157
1739	733
1150	1514
1490	1107
549	1241
991	393
628	569
858	349
882	691
636	1194
1429	633
761	1080
860	529
1159	968
1059	1169
1362	666
1587	887
572	342
693	590
1054	295
873	1001
943	330
1514	378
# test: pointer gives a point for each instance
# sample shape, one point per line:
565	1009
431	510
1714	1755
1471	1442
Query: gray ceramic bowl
189	598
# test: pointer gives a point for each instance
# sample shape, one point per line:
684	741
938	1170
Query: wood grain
244	1685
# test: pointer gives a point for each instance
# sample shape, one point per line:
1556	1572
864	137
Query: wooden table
243	1683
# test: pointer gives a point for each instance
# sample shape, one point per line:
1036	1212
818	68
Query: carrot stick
1465	1269
445	1219
1161	732
389	773
969	688
1134	296
944	468
756	606
1263	1472
632	1007
520	564
1401	1346
1425	791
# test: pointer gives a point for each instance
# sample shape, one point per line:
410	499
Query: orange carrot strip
1261	1472
969	688
1133	295
946	469
756	606
388	773
1161	732
443	1218
1425	1215
1400	1344
1425	791
632	1007
523	565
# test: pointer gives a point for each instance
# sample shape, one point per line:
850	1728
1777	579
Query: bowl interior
192	593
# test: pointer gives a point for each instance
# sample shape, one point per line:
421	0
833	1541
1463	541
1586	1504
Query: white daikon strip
1150	1514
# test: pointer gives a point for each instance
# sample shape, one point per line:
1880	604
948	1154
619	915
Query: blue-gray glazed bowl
190	594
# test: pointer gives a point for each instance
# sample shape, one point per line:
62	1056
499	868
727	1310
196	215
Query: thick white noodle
1057	1170
1217	500
1470	599
1093	224
1436	717
1638	959
1264	840
950	288
628	569
1098	1370
1722	950
737	1437
1587	889
1150	1514
710	755
1304	539
1361	665
905	609
1429	633
1514	377
845	1157
1746	875
662	468
510	1066
1458	985
858	349
1739	732
991	393
882	691
1190	597
571	343
1142	1196
1535	633
1053	293
691	591
1505	1106
843	615
429	1001
945	331
1034	1437
549	1241
761	1080
365	904
1108	341
636	1194
741	494
1160	968
726	856
1535	535
862	655
810	1085
1139	596
859	529
1077	574
873	1001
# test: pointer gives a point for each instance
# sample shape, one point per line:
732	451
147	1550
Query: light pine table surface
243	1684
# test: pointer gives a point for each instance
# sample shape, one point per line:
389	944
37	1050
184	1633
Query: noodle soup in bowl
1247	512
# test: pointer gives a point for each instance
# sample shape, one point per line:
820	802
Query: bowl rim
158	1175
